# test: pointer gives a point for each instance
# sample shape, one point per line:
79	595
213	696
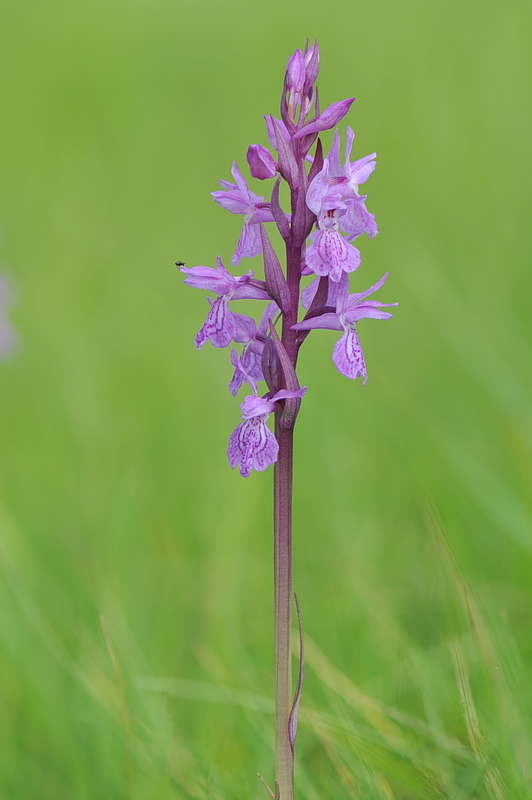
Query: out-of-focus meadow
135	568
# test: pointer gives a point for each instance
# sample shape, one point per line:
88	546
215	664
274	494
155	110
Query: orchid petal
249	243
261	163
318	188
212	280
330	254
349	138
348	356
362	168
358	219
366	312
358	296
334	156
254	445
219	326
232	200
329	322
327	119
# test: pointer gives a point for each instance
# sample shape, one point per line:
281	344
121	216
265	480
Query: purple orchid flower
350	308
8	337
345	179
329	253
239	199
248	366
221	324
252	444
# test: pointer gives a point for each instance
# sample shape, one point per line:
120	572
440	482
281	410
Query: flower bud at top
294	80
295	72
261	163
312	66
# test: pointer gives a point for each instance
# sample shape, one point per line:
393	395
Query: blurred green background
136	642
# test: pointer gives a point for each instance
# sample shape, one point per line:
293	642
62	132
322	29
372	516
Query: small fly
180	263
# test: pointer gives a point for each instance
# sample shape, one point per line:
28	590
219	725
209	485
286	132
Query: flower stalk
327	214
284	756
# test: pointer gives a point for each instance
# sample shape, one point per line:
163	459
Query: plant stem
284	758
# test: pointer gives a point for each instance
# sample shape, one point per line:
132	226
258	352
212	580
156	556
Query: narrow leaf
278	214
271	366
291	405
294	714
290	377
317	164
287	162
299	219
266	785
276	285
320	298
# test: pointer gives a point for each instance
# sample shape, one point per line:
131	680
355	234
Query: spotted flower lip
221	326
350	308
252	444
239	199
329	252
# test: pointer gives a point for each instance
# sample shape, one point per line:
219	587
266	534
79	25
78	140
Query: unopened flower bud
312	66
261	163
295	72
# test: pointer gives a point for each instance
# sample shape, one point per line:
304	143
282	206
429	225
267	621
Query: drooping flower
220	326
239	199
8	337
350	308
252	444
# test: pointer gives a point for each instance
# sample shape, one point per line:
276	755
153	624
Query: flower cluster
327	214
